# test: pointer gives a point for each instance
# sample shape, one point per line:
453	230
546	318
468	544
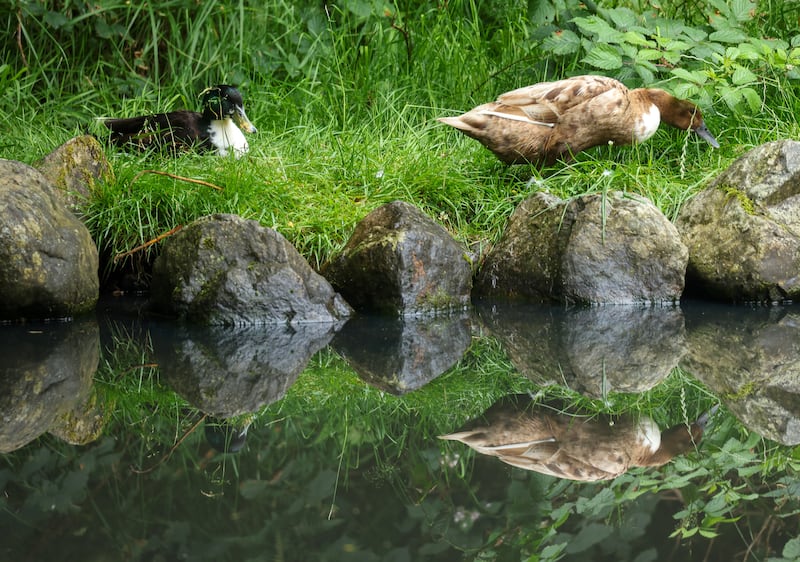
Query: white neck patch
647	125
649	434
225	135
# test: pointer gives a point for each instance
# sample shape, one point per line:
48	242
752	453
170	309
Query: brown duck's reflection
550	440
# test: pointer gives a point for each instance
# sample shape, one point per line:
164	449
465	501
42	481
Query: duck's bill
240	118
705	134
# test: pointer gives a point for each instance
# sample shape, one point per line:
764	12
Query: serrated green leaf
732	98
565	42
749	51
636	38
539	12
646	73
743	10
603	56
594	25
695	76
674	45
622	17
648	54
672	57
743	76
685	90
728	34
628	50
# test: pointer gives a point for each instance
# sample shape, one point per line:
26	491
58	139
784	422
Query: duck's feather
175	129
548	101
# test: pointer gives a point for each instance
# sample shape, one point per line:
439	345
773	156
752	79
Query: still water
126	437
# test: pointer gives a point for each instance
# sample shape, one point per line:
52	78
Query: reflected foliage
337	469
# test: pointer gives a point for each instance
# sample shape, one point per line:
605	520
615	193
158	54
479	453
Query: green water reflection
106	456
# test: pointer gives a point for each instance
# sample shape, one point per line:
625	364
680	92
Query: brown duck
552	121
545	439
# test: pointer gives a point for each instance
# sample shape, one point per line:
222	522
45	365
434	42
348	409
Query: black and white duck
219	127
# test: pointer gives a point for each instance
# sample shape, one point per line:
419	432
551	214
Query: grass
345	100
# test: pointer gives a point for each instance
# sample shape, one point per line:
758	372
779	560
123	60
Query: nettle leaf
726	33
646	71
595	25
705	51
648	54
696	76
752	98
672	57
541	11
636	38
676	45
564	42
732	97
743	10
743	76
751	51
685	90
628	50
622	17
603	56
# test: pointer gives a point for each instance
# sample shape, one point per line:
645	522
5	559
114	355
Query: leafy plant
726	58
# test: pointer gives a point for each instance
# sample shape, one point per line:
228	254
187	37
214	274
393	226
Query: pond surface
126	437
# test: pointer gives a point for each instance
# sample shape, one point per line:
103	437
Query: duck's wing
547	101
177	127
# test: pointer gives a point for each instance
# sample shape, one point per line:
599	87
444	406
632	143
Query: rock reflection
553	440
398	355
591	350
46	380
230	371
750	357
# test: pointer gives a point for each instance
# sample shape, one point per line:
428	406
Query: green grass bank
345	97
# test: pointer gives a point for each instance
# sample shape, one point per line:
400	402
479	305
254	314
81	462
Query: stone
595	249
50	262
47	372
743	230
400	262
225	270
74	168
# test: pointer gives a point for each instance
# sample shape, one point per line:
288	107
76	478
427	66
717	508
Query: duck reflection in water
225	436
547	439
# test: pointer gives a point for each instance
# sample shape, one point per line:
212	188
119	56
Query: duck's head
224	102
682	114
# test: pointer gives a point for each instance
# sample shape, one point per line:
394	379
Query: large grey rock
225	270
400	262
743	231
50	262
599	248
75	167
